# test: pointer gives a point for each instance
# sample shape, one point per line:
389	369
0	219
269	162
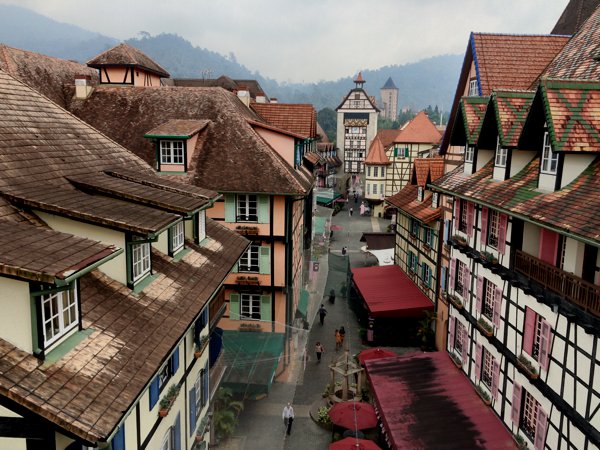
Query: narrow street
261	425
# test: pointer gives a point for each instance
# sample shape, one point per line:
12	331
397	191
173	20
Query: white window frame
428	236
501	154
493	228
375	172
140	260
167	442
374	188
537	338
198	388
487	368
172	152
383	172
426	274
177	236
250	261
459	286
469	153
549	164
473	88
529	417
249	306
201	225
458	337
247	208
488	302
59	304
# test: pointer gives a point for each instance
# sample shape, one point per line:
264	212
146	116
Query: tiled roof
90	388
473	111
376	155
389	84
511	108
266	126
574	15
406	201
507	61
387	136
52	77
180	128
223	81
229	155
579	59
573	115
126	55
419	130
359	78
297	118
426	170
313	158
573	209
38	254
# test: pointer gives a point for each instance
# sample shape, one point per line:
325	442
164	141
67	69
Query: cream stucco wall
15	319
546	182
116	267
531	239
483	157
574	164
573	261
519	159
284	145
162	245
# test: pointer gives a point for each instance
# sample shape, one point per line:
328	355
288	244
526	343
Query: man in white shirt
288	417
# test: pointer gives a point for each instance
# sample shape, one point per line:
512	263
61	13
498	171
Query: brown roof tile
223	81
178	128
574	15
406	201
297	118
473	111
511	108
387	137
419	130
126	55
376	155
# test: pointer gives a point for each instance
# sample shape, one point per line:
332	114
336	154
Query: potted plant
226	412
528	367
425	332
252	280
520	441
456	360
167	401
485	327
458	304
459	240
200	346
323	418
487	257
484	395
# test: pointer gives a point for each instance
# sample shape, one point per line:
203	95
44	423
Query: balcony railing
216	308
575	289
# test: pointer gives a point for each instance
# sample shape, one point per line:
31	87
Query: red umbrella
353	415
375	353
336	228
351	443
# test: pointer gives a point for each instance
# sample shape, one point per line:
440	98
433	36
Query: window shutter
466	281
446	230
530	318
545	340
205	385
406	152
154	388
201	226
478	356
465	343
451	327
540	429
452	273
177	433
230	214
495	378
497	306
515	410
484	224
443	278
192	400
395	152
175	360
234	306
265	259
456	213
479	294
470	218
118	441
263	209
548	246
265	308
502	225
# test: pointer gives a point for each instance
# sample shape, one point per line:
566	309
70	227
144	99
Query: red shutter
548	246
465	343
452	274
470	218
466	281
484	222
497	306
478	355
515	410
540	429
451	331
478	304
456	214
495	378
502	224
546	340
530	317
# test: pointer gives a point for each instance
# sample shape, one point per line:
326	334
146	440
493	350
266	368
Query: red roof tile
473	111
376	155
419	130
406	200
297	118
126	55
387	136
511	108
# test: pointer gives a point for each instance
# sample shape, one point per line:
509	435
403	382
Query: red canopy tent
351	443
388	292
375	353
353	415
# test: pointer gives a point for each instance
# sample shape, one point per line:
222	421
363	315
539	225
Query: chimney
261	97
244	95
274	100
83	86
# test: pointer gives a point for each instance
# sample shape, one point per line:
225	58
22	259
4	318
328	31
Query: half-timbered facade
523	275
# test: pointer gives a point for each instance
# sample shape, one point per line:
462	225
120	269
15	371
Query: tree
226	412
327	118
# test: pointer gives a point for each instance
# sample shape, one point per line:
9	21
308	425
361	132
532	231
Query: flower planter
486	400
531	373
520	441
250	231
197	354
455	301
485	329
164	412
457	362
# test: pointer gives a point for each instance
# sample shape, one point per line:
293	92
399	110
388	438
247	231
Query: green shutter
234	269
234	306
265	308
230	215
263	209
265	260
395	152
406	152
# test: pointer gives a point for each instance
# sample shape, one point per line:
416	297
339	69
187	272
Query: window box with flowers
200	346
250	281
459	240
485	327
454	299
167	401
528	367
487	258
456	360
484	395
520	441
245	230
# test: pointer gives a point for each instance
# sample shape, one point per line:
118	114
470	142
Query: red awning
388	292
425	401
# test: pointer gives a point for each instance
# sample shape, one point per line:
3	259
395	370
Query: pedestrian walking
322	314
338	340
288	417
351	211
344	250
319	350
342	336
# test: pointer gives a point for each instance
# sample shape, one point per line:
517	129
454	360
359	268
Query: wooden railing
217	303
575	289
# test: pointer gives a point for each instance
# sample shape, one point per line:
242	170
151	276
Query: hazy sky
310	40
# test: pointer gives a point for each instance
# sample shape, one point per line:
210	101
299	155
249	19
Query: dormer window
247	208
549	158
171	152
140	260
200	227
473	88
469	153
176	237
420	191
435	200
60	314
501	153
